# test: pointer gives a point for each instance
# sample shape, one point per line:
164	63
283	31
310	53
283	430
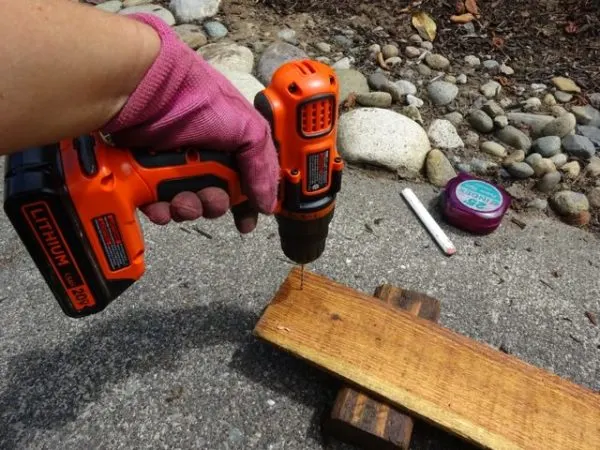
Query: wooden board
465	387
361	420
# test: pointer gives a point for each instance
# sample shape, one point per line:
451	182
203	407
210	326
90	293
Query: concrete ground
173	364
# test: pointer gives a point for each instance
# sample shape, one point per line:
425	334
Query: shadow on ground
48	389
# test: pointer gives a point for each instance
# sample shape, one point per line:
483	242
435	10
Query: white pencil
429	222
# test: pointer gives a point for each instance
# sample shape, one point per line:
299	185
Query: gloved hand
183	101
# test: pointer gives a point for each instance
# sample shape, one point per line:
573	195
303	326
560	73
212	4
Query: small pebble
492	109
481	166
549	100
547	146
563	97
561	126
427	45
424	70
216	30
501	121
595	99
480	121
375	99
491	65
324	47
414	101
578	146
450	79
565	84
343	63
374	49
538	88
461	79
548	182
493	148
506	70
471	139
406	87
472	60
438	168
442	134
436	61
532	104
519	170
413	113
568	203
412	52
442	93
533	158
594	197
593	167
560	159
342	41
514	137
415	38
505	102
491	89
455	118
538	203
514	157
571	169
393	61
542	167
389	51
558	111
288	35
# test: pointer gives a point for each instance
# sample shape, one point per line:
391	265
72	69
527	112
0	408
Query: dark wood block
360	419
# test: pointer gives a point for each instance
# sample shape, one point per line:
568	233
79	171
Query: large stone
274	56
442	134
568	203
194	10
228	55
351	81
586	115
442	93
438	168
547	146
571	169
578	146
244	82
514	137
535	122
549	181
162	13
192	35
383	138
565	84
561	126
592	133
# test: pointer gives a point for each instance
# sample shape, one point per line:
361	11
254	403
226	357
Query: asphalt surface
173	363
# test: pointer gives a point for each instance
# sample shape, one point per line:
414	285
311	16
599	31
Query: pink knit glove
183	101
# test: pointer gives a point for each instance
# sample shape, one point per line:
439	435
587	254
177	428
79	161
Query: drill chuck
304	241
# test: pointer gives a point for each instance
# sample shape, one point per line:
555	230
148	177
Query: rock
565	84
408	73
548	182
442	134
471	139
323	47
455	118
559	160
228	55
538	203
593	167
481	166
536	122
414	101
438	168
412	112
215	29
595	99
424	70
571	169
437	61
514	137
412	52
288	35
375	99
442	93
274	56
351	81
549	100
244	82
493	148
491	65
427	45
586	115
592	133
594	197
514	157
192	35
393	61
491	89
506	70
341	64
128	3
519	170
480	121
406	87
472	61
501	121
374	50
191	10
162	13
389	51
578	146
378	81
384	138
558	111
567	203
461	79
563	97
492	109
342	41
450	79
532	104
538	88
543	166
533	158
547	146
415	38
111	6
505	102
561	126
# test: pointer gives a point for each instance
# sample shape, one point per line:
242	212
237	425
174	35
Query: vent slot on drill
316	117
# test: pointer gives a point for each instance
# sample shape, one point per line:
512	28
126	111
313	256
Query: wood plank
465	387
361	420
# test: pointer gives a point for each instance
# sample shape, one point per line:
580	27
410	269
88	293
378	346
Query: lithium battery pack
473	204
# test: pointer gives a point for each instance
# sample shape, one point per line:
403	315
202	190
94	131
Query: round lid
479	196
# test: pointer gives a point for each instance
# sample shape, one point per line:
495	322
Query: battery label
58	254
317	167
111	240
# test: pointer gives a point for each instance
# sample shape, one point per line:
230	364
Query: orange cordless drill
73	203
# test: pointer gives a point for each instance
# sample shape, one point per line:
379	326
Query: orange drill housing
74	203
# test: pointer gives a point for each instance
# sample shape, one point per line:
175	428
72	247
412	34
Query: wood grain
361	420
465	387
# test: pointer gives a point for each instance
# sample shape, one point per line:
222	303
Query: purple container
473	204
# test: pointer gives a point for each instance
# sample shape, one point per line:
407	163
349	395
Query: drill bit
302	277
